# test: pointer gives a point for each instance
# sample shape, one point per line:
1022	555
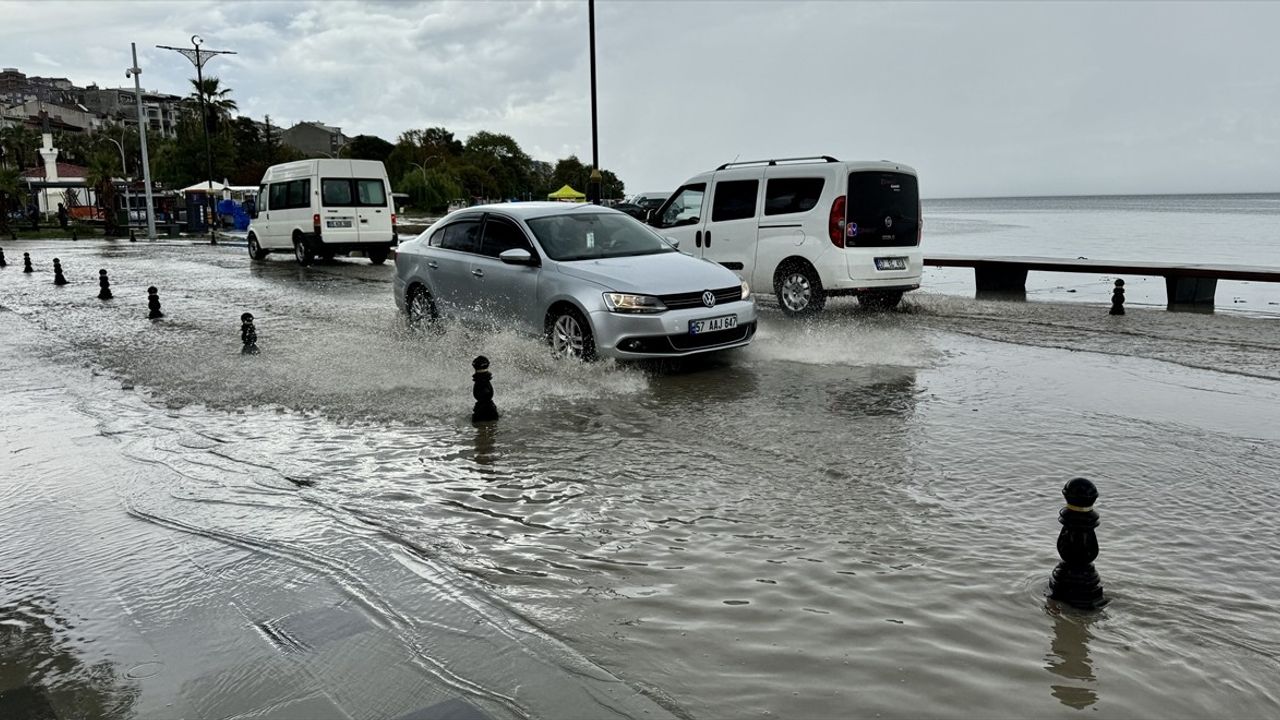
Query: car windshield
593	235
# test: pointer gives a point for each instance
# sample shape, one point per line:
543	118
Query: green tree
218	102
102	170
10	189
368	147
19	147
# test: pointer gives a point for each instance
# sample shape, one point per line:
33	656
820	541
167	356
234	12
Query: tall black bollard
1075	582
248	335
2	261
26	263
482	391
132	237
74	236
153	303
58	278
105	284
1117	298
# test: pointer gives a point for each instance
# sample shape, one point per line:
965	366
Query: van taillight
835	224
315	222
919	223
393	221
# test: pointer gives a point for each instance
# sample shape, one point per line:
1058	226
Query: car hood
662	274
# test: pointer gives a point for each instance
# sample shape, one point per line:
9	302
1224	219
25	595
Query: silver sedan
592	281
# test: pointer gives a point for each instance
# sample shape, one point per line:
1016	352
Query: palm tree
101	173
10	187
218	100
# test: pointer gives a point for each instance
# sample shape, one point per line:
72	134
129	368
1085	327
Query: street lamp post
199	57
124	172
135	72
593	188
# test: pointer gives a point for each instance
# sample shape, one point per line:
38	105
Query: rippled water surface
855	516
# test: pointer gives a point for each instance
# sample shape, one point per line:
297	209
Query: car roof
537	209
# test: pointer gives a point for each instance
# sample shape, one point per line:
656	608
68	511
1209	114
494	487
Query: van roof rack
775	161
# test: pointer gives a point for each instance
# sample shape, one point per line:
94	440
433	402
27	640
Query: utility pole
593	187
135	71
198	58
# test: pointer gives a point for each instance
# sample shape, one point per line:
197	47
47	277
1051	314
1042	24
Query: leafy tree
218	102
102	170
19	147
10	189
368	147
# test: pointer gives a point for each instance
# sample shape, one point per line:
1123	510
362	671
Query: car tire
420	308
798	289
377	257
255	249
569	335
880	300
301	252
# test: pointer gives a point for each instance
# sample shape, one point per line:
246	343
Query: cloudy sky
1004	98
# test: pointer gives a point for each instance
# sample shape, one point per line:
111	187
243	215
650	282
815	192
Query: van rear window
357	192
883	210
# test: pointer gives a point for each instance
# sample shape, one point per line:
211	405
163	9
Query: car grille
680	301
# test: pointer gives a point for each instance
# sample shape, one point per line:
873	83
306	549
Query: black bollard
58	278
1075	582
248	335
153	303
26	263
484	410
1117	298
132	237
74	237
2	261
105	292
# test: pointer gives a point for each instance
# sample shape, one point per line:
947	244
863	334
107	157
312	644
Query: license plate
727	322
891	263
337	223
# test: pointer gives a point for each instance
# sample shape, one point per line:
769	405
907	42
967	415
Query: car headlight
746	290
628	303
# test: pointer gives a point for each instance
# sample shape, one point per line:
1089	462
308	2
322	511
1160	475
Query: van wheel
880	300
255	250
799	289
301	252
569	335
377	257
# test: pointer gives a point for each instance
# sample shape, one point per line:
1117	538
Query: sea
1239	229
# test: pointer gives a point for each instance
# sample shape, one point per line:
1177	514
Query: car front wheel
570	336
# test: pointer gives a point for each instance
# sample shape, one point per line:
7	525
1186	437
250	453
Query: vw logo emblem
709	298
888	221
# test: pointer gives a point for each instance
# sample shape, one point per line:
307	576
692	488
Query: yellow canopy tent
567	194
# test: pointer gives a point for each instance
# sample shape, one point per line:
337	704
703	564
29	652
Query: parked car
810	228
591	280
639	206
324	208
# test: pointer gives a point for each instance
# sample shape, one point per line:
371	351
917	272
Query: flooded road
853	517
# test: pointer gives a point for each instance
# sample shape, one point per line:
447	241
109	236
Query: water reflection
43	676
1068	658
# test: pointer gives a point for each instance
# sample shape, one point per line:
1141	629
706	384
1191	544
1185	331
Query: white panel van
324	208
809	228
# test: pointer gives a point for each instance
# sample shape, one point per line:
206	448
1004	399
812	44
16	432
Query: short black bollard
248	335
105	284
1117	298
153	303
1075	582
58	278
2	261
26	263
132	237
74	237
484	410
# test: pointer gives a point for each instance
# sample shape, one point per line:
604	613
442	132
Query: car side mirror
517	256
672	241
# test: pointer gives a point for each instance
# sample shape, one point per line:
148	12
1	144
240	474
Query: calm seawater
1219	229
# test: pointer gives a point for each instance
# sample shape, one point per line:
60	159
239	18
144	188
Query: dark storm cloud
983	98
